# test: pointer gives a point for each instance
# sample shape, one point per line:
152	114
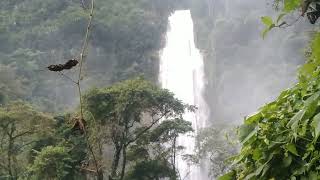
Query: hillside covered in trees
125	42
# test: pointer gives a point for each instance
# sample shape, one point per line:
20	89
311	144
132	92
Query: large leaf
280	17
311	105
246	132
253	118
292	148
293	123
259	169
316	125
229	176
287	161
267	21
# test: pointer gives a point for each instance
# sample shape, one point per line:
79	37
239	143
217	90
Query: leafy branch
309	7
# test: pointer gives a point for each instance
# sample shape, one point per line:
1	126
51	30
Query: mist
245	71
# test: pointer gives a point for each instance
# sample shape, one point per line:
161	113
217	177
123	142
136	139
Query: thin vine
78	83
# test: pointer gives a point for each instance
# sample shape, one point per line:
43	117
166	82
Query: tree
167	133
52	163
153	156
129	110
19	125
151	169
212	144
72	145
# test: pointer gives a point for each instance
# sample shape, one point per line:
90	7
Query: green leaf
316	125
265	32
313	176
253	119
287	161
246	132
280	17
250	176
293	123
257	154
307	69
259	170
229	176
311	105
292	148
290	5
267	21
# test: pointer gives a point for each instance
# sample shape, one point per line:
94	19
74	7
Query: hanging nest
60	67
79	125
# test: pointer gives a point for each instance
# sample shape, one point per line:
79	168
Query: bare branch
69	78
22	134
154	121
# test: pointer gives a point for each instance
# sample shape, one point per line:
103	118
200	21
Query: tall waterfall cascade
182	72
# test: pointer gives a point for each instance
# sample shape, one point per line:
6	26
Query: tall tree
129	110
52	163
19	125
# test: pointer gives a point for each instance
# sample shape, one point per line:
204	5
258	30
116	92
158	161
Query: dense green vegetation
126	116
281	141
125	42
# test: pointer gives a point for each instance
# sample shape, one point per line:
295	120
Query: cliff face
243	71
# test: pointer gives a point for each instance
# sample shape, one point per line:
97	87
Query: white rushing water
182	72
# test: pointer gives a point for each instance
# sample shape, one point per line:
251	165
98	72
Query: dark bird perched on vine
56	67
60	67
70	64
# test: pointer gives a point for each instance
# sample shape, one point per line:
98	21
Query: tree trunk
115	162
174	154
124	161
100	175
9	161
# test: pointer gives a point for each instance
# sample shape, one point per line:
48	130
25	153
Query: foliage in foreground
281	140
310	9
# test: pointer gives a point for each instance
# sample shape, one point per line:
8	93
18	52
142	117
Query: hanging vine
79	122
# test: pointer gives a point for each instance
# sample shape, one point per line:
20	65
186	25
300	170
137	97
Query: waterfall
182	72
